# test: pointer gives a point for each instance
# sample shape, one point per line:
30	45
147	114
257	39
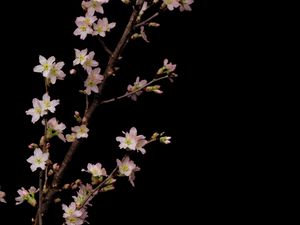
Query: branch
104	46
57	180
133	92
147	20
98	187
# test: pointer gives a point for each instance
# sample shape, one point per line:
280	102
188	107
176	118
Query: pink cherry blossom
137	85
47	104
56	128
28	196
37	111
82	30
171	4
94	78
96	170
185	5
2	196
102	27
45	65
80	131
132	141
56	72
38	160
127	168
90	62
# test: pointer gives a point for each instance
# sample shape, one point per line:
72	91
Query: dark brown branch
56	183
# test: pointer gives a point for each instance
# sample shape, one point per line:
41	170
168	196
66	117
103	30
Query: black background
193	177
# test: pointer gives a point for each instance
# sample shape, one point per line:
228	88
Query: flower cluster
50	70
86	60
90	24
28	196
184	5
41	107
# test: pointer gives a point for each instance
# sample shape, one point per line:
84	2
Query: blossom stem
133	92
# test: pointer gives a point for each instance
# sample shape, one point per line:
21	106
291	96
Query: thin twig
147	20
133	92
104	46
98	187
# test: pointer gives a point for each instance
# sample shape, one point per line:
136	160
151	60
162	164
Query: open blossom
2	195
80	56
93	6
37	111
45	65
38	160
71	137
94	78
102	27
185	5
171	4
167	68
83	195
90	62
56	72
56	129
132	141
96	170
137	85
82	30
73	216
80	131
47	104
127	168
25	195
88	19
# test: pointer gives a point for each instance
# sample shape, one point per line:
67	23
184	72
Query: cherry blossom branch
91	194
147	20
56	183
104	46
133	92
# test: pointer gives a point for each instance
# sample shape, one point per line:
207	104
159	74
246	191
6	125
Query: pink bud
73	71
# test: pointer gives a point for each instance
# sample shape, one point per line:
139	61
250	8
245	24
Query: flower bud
165	140
73	71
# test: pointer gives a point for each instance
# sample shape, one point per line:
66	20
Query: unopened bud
33	146
154	89
55	167
66	186
50	172
126	1
165	140
57	200
135	36
154	136
153	24
73	71
77	116
108	188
